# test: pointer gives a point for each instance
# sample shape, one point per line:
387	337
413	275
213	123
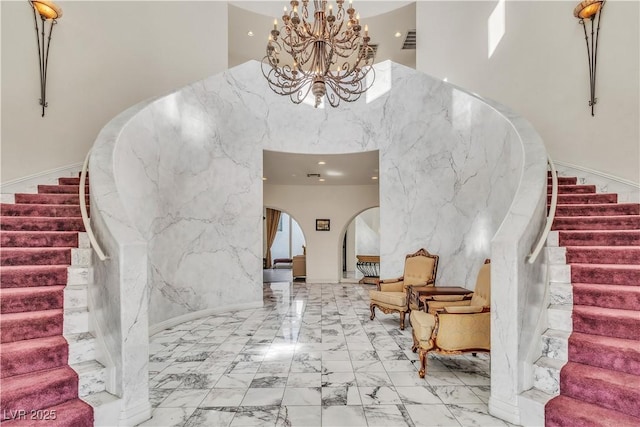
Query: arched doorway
361	237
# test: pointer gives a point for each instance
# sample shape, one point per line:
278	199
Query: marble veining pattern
290	363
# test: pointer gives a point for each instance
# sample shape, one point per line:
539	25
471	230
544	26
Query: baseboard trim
27	183
599	173
136	414
504	410
174	321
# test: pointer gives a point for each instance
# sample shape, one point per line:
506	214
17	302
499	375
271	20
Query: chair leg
423	363
373	312
402	316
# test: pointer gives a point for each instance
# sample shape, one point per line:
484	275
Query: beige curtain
273	218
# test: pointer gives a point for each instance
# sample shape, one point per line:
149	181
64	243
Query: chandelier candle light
330	56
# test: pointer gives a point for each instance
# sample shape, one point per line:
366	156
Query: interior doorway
362	237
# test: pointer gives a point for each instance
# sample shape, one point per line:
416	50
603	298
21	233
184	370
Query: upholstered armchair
392	297
463	327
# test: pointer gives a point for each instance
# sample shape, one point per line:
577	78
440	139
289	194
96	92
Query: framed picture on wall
323	224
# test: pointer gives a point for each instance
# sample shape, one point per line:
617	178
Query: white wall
368	232
540	70
105	56
337	203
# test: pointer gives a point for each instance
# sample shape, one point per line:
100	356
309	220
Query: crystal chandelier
330	56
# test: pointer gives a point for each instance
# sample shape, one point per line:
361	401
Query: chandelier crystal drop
329	56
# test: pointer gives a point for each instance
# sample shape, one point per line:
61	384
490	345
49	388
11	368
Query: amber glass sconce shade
589	11
49	13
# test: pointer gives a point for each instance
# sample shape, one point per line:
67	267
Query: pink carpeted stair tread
607	296
36	223
39	239
21	357
615	274
564	180
61	189
603	254
563	411
574	189
33	209
71	181
607	322
598	209
599	238
51	198
32	275
615	354
598	198
30	325
38	390
35	256
72	413
618	222
614	390
17	300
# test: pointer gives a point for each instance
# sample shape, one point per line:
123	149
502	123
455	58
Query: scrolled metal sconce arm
591	10
48	12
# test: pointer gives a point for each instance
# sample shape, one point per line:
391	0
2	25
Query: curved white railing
551	215
83	210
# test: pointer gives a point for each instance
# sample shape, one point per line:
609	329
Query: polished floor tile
310	357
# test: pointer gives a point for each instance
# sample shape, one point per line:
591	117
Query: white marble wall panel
454	171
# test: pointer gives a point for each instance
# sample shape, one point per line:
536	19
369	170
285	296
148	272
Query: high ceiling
385	19
338	169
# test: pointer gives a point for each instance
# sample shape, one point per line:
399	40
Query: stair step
39	239
33	209
603	254
35	256
599	238
546	374
76	320
555	344
38	354
71	181
79	275
559	317
32	275
560	293
38	390
82	347
621	222
52	198
30	325
75	296
73	412
610	389
91	376
531	403
582	199
563	411
615	274
616	354
598	210
61	189
607	322
106	408
607	296
574	189
35	223
18	300
564	180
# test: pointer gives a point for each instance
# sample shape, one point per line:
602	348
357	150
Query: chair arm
433	306
466	309
463	332
392	286
449	297
397	279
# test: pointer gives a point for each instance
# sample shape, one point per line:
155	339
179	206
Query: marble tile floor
309	357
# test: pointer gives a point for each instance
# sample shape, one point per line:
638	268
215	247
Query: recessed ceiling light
374	177
322	162
250	33
264	178
398	34
321	180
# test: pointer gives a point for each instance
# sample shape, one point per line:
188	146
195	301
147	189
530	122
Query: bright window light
496	26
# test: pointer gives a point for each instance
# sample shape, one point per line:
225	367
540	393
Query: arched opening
361	237
287	249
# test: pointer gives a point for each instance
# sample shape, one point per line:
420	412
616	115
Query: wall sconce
49	13
591	10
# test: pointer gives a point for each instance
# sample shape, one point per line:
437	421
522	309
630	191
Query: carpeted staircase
46	356
592	349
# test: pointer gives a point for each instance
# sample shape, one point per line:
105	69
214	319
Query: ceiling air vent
409	40
372	52
313	175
